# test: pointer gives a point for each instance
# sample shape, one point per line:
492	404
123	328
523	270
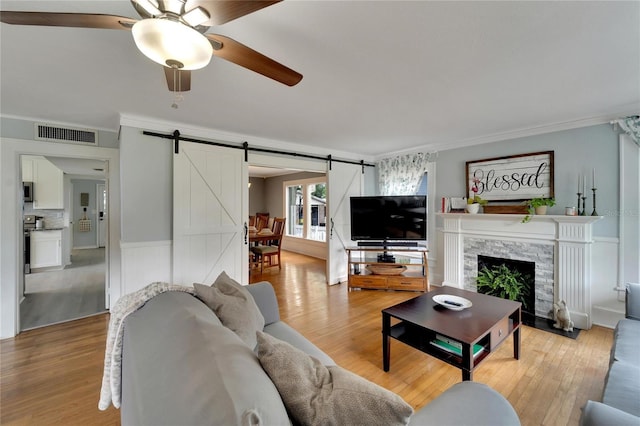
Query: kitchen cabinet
46	248
48	184
27	168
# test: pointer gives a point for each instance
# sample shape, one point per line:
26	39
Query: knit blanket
127	304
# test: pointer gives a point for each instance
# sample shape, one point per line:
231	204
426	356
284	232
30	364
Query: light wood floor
52	375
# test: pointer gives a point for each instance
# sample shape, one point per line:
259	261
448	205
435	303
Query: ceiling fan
174	36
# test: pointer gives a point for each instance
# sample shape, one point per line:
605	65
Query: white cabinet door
46	249
27	168
47	185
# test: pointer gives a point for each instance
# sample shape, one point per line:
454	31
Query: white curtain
401	175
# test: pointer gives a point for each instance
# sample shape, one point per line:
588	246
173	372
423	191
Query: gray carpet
75	292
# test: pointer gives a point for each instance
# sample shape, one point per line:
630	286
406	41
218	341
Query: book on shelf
453	346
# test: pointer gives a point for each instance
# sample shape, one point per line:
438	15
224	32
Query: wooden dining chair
261	220
266	252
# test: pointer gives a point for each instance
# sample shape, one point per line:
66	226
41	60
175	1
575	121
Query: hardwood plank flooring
52	375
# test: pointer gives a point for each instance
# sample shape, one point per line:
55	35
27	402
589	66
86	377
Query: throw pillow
234	306
315	394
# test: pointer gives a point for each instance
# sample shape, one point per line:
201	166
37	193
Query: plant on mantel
536	203
476	198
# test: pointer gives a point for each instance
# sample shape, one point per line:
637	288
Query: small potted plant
474	202
538	206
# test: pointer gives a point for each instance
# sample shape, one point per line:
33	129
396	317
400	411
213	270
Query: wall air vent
46	132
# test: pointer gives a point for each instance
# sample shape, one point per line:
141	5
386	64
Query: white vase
473	208
541	210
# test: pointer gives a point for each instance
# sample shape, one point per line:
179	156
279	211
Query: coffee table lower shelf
469	337
421	340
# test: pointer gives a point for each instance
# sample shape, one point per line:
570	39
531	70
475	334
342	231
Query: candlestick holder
584	206
580	211
594	213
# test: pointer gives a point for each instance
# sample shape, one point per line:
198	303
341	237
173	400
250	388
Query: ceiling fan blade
225	11
239	54
79	20
179	78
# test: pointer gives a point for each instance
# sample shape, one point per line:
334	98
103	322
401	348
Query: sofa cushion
621	387
283	331
632	301
234	305
625	345
318	395
182	367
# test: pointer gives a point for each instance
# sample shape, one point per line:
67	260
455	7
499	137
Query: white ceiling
379	76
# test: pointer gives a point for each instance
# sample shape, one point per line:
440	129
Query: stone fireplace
559	247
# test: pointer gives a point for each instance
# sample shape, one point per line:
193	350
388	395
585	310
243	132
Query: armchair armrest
265	298
632	301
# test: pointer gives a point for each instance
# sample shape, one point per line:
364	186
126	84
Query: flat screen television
389	218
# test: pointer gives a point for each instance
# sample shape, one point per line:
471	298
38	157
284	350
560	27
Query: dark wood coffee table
487	323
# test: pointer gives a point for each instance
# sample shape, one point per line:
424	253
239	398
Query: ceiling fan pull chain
177	85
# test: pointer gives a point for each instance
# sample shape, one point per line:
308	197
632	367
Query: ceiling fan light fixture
151	6
163	40
195	17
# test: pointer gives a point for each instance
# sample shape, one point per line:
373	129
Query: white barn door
344	181
209	211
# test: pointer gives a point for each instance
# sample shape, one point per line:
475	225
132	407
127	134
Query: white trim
624	110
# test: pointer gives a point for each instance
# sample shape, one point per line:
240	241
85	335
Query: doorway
73	283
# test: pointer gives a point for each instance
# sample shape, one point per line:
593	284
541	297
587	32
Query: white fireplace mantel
570	235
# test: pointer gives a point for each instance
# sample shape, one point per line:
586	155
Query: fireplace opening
509	279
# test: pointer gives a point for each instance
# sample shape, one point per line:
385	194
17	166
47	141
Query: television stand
414	275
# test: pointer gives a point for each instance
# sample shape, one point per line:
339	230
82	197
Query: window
306	209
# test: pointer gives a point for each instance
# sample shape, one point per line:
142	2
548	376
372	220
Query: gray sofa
181	366
621	397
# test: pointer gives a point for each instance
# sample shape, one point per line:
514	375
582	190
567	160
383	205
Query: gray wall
576	151
24	129
256	196
146	170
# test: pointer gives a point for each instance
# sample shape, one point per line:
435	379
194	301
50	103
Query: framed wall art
512	178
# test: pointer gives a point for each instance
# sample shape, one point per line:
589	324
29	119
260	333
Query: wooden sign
512	178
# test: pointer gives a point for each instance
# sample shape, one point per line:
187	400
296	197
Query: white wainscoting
311	248
607	309
144	263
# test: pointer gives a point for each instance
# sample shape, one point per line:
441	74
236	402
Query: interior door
344	181
209	214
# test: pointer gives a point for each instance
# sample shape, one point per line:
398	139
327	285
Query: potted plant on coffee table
538	206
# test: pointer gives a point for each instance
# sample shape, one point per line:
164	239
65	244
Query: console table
362	259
